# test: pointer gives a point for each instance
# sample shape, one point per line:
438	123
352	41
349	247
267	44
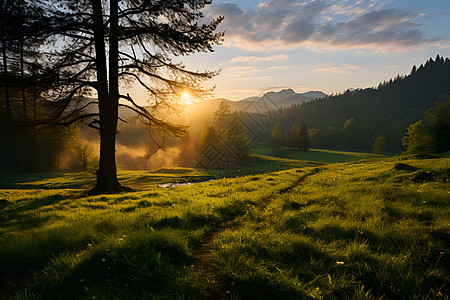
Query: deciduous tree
294	137
278	136
439	125
379	145
418	140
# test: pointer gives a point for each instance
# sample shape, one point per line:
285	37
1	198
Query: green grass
85	180
320	155
355	230
146	179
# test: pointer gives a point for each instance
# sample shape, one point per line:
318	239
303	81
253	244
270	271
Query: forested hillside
354	119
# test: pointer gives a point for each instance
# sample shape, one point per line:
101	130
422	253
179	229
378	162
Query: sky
325	45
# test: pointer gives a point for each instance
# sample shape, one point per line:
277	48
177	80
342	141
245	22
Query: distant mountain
283	98
268	101
279	96
253	98
211	105
288	97
314	94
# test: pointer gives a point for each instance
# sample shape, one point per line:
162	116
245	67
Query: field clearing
370	229
145	179
321	155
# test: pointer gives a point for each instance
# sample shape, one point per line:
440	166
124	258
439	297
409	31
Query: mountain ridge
287	97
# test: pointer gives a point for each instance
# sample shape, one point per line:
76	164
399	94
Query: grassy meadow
319	155
377	228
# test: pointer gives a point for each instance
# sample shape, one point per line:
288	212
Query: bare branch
93	124
64	121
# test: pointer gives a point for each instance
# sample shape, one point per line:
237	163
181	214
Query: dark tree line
354	119
26	148
299	137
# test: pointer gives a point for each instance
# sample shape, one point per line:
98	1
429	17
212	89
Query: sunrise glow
187	99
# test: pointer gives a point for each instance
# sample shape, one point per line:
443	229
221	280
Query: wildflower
89	245
440	256
103	260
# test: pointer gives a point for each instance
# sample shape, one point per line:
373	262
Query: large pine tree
227	143
105	45
222	118
238	140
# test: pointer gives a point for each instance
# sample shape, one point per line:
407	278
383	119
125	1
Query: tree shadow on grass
147	267
23	216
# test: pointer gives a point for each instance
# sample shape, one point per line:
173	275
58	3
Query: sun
187	99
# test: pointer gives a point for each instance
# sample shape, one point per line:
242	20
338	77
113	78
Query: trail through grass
320	155
218	287
358	230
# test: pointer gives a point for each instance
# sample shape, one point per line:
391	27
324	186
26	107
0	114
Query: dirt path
218	287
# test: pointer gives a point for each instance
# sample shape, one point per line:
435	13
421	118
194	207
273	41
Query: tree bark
108	110
33	163
9	120
22	81
28	155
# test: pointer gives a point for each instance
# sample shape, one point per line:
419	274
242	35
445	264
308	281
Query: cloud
440	13
262	90
242	69
320	25
259	58
341	69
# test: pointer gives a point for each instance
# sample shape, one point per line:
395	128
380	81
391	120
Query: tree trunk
33	148
9	120
28	161
22	82
108	109
58	151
